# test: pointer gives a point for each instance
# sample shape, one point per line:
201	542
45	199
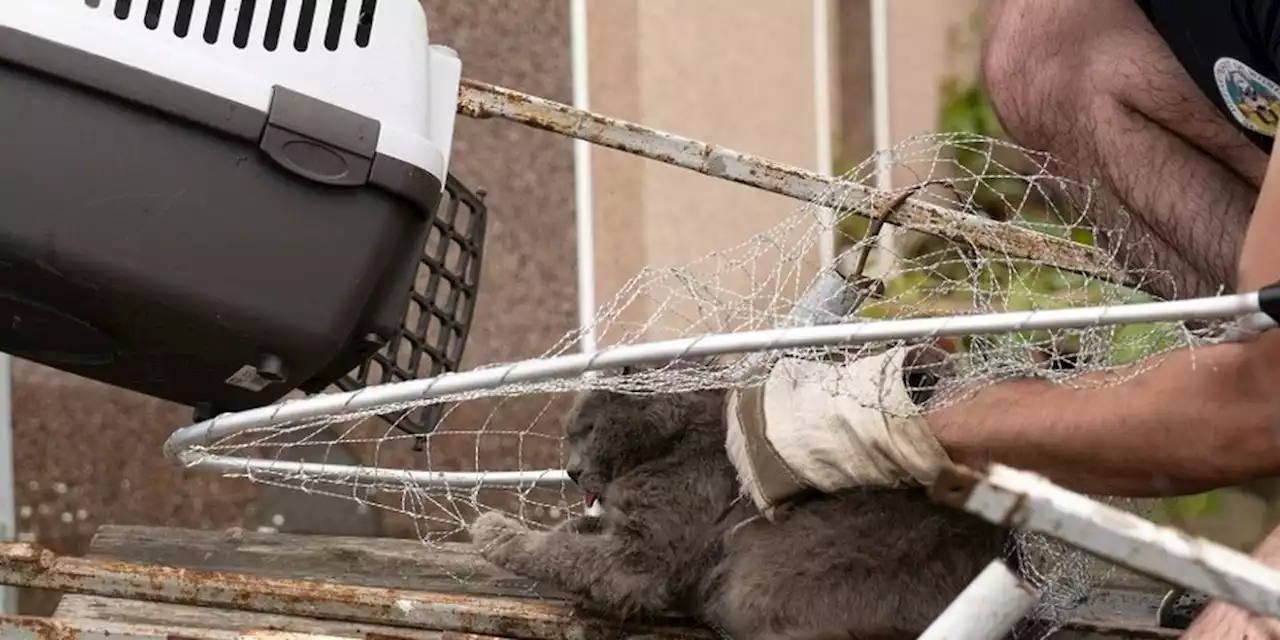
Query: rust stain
1016	516
42	628
954	485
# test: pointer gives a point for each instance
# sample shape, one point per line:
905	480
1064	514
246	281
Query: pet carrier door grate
434	332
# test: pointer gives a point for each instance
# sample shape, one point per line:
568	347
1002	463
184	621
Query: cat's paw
492	530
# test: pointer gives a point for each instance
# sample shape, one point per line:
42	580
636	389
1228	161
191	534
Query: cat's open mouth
592	502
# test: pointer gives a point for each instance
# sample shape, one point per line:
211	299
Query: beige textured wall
738	73
851	91
928	40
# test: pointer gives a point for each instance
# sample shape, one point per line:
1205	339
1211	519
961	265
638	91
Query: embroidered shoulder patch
1252	98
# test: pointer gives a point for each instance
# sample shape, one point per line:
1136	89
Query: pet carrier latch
331	145
319	141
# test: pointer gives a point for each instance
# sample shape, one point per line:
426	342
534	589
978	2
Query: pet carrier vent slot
305	20
364	27
213	20
182	23
243	22
275	19
308	21
151	16
331	36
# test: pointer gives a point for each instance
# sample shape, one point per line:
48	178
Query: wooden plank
369	562
364	562
408	564
220	625
36	628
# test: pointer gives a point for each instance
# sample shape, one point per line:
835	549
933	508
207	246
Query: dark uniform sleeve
1231	49
1260	19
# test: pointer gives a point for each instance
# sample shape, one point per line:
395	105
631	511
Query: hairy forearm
1184	422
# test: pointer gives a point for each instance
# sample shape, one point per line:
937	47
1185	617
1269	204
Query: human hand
829	425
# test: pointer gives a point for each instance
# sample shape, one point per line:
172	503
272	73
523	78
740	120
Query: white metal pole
882	133
822	119
583	196
1030	502
880	105
8	512
183	446
988	609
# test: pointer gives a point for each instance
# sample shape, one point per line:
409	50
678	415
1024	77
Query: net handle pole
988	608
1259	311
375	399
1030	502
481	100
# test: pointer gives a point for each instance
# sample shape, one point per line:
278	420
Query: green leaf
1083	236
1133	342
1194	506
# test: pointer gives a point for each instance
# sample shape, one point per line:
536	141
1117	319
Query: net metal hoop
182	444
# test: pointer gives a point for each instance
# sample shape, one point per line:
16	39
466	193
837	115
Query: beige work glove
829	425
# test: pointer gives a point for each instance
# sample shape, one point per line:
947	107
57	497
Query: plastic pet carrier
217	202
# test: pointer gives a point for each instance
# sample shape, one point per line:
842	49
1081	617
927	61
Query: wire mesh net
493	444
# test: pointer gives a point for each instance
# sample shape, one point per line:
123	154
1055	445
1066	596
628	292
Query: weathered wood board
1124	611
370	562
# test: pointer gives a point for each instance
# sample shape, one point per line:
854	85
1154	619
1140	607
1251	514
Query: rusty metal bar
28	565
480	100
1024	500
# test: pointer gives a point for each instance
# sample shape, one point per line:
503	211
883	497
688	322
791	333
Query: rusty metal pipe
480	100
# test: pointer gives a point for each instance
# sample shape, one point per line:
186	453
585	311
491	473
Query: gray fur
677	538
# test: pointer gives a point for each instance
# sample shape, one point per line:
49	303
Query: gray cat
676	537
